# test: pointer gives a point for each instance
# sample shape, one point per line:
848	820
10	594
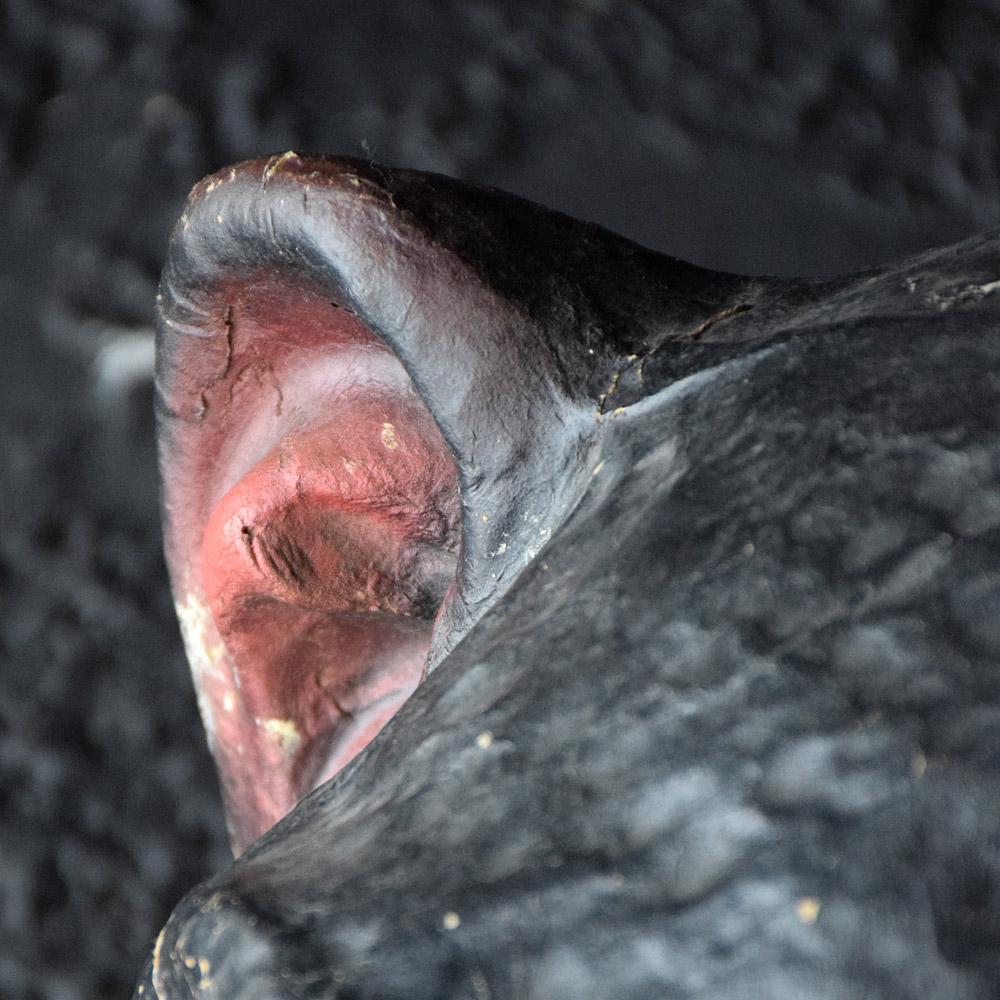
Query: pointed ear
518	328
289	278
379	393
357	454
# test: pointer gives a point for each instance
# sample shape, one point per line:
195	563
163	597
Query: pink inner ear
325	563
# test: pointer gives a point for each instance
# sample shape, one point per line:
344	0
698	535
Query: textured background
796	137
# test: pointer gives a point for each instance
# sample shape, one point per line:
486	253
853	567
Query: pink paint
318	522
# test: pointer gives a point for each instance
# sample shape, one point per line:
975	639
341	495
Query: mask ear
379	394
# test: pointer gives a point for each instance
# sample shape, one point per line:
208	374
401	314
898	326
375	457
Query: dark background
787	137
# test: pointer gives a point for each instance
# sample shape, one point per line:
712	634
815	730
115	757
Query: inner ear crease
328	536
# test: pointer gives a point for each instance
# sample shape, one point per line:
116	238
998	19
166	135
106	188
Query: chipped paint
197	624
958	296
807	909
276	163
532	550
388	436
205	658
284	733
157	956
602	400
721	316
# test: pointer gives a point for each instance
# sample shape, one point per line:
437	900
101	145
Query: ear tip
290	168
318	218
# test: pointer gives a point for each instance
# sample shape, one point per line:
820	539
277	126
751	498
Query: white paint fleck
206	658
285	733
388	436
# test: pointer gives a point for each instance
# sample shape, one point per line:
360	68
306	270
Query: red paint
316	513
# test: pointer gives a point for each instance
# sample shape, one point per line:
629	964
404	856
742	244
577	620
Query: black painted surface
799	138
731	730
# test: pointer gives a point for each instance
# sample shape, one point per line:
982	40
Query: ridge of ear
520	328
296	256
356	368
348	429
